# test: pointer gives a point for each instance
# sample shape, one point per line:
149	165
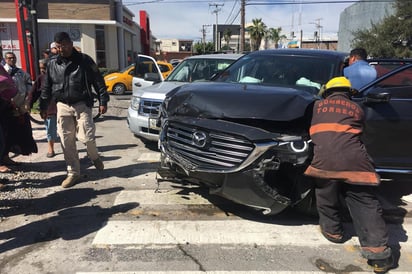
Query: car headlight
134	103
111	78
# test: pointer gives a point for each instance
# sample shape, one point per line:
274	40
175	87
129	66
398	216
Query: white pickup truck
149	87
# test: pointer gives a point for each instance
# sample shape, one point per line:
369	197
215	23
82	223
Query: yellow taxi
119	82
165	67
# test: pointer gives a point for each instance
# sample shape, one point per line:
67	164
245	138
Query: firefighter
342	167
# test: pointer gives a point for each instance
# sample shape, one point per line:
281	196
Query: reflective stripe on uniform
335	127
354	177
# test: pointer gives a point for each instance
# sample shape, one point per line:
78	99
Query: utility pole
242	26
35	34
203	30
217	9
318	35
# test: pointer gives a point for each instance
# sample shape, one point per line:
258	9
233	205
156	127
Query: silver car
144	105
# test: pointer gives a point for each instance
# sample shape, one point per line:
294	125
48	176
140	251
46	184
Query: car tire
119	89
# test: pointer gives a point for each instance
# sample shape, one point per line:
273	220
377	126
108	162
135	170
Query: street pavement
127	220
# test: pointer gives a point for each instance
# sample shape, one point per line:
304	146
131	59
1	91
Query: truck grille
149	108
206	150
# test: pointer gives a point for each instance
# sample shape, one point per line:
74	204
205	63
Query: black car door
387	104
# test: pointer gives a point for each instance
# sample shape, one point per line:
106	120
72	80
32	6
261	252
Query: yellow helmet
336	84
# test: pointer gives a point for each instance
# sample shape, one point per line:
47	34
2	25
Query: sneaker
98	164
381	266
70	180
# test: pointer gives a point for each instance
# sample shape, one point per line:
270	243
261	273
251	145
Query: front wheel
119	89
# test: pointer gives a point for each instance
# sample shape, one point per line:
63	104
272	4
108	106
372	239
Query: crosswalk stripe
216	232
149	157
222	272
207	232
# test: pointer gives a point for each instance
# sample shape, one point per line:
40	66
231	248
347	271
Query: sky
184	19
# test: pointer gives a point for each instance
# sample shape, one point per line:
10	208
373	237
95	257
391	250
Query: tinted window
191	70
289	71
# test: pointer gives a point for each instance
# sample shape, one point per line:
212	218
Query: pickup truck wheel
119	89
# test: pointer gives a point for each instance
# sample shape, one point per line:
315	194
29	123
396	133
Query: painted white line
149	157
218	232
163	197
221	272
207	232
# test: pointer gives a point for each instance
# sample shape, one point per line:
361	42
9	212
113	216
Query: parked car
165	67
144	105
245	133
175	62
119	82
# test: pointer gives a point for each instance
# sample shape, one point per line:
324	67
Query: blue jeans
51	128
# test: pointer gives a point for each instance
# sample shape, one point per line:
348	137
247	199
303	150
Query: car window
144	65
384	66
163	68
191	70
126	68
399	84
296	71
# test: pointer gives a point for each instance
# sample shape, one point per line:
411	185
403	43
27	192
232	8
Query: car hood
157	91
114	74
233	101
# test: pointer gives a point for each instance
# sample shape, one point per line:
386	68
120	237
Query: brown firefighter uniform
344	168
337	124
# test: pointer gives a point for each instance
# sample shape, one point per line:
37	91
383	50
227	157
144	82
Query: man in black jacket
68	81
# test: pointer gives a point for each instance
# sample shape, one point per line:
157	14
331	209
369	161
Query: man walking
343	167
69	80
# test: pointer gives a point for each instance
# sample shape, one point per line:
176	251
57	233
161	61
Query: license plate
152	124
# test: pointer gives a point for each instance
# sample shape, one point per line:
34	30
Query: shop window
100	47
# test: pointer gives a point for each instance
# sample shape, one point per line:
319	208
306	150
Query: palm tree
274	35
226	36
256	31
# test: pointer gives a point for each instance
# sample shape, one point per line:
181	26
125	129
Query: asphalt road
124	220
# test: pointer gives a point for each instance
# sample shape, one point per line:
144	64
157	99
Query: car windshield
126	68
295	71
191	70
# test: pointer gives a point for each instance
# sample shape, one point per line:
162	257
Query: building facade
104	29
360	15
169	49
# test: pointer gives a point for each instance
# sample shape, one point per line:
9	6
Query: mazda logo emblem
199	139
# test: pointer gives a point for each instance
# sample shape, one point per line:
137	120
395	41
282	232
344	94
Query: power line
231	12
217	9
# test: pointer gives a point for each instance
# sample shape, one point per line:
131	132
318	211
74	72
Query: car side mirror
152	76
377	97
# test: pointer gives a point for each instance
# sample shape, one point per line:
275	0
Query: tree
201	48
392	37
275	36
256	31
226	36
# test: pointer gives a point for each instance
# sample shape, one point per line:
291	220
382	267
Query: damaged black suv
245	133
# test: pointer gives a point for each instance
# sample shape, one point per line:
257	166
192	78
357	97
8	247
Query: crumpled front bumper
248	183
